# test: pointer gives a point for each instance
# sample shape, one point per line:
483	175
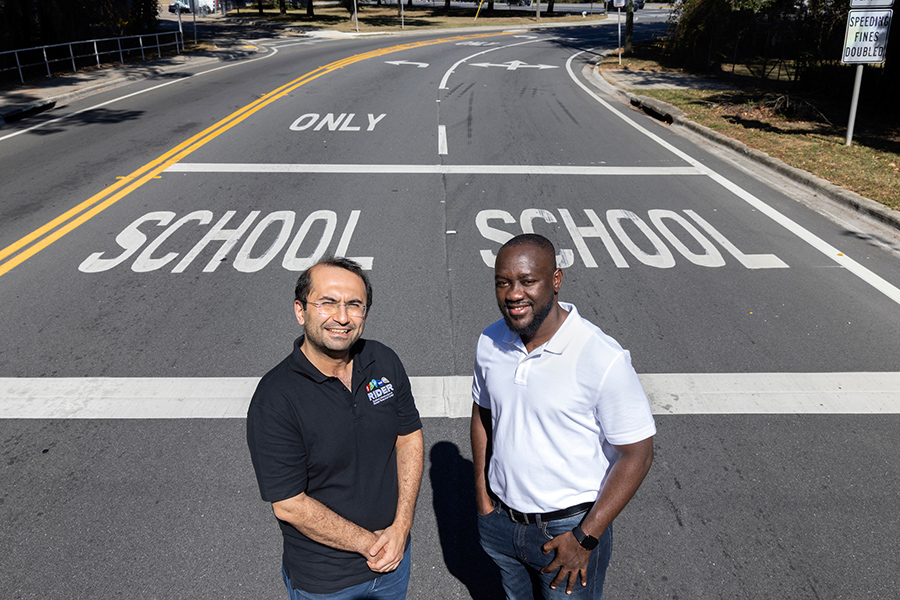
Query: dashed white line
442	139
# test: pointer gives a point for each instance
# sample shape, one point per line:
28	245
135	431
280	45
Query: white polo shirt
556	411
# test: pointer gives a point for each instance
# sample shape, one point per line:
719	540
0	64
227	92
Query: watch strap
588	542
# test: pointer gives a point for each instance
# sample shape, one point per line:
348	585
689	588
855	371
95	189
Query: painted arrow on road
406	62
515	64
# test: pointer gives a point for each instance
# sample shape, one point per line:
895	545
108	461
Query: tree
629	26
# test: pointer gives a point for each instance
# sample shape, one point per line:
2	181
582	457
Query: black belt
529	518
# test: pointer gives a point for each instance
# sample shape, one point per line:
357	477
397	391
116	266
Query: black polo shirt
308	433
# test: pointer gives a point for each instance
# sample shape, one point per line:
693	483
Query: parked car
183	6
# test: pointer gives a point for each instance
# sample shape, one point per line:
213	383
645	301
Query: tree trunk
310	12
259	6
282	7
550	5
629	27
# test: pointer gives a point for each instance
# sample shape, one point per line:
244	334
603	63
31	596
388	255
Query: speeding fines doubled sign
867	36
865	43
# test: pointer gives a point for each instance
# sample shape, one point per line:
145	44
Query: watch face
586	541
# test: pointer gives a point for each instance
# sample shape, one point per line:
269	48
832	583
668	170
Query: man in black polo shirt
336	444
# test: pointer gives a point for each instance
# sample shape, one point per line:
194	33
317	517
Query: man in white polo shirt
562	433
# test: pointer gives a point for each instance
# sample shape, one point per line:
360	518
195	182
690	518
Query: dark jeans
517	551
390	586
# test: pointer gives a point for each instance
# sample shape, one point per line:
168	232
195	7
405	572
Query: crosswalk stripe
228	397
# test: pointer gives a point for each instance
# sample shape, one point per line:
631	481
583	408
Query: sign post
865	42
619	4
194	17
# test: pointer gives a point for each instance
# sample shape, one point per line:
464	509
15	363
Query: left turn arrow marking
406	62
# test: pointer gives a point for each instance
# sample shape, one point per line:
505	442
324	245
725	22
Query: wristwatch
588	542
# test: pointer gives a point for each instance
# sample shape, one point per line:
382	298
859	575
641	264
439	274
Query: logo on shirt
379	390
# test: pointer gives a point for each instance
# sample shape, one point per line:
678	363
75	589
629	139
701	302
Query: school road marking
228	398
26	247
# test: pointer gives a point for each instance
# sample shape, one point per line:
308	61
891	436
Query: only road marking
26	247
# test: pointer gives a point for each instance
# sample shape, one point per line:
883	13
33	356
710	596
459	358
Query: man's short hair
304	282
535	240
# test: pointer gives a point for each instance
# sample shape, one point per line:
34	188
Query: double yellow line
20	251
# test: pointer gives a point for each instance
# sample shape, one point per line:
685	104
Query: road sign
871	3
867	36
619	3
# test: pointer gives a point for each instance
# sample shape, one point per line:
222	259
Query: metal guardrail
77	52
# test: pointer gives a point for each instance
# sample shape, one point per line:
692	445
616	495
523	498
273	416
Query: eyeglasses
332	308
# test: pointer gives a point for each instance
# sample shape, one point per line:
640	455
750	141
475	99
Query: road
151	246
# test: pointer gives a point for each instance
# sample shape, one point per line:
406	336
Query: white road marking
150	89
804	234
442	139
419	65
312	42
452	69
427	169
514	65
229	397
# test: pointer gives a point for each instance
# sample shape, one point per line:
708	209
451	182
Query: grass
374	18
805	132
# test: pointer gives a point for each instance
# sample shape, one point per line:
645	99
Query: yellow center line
40	238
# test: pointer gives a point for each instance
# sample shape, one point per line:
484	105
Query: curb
20	112
672	115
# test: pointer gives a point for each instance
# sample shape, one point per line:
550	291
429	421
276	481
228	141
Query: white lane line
442	139
150	89
804	234
427	169
670	394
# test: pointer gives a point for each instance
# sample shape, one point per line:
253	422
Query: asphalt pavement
736	505
236	39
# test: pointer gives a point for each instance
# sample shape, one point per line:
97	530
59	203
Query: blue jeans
516	549
390	586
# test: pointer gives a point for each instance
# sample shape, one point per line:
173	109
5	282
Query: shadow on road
453	489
